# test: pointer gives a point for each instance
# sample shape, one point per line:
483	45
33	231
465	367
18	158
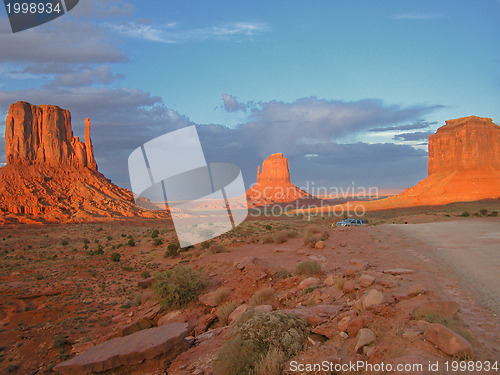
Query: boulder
319	245
349	286
366	280
448	341
167	341
372	298
237	313
309	282
364	337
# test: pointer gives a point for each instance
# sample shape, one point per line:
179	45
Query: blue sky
347	90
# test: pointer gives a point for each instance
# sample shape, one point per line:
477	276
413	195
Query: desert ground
61	293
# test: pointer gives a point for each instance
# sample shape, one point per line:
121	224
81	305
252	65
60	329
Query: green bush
493	213
157	242
256	336
205	245
465	214
483	212
309	267
115	257
177	287
172	250
155	233
131	242
64	242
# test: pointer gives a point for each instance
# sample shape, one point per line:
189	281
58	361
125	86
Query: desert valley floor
61	294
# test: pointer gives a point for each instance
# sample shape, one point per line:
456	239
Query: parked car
350	223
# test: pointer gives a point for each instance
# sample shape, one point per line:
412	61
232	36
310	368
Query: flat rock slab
130	350
398	271
315	315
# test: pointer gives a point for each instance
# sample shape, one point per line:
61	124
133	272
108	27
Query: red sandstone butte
464	166
273	183
51	176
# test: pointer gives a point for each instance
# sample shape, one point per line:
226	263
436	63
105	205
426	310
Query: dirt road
470	248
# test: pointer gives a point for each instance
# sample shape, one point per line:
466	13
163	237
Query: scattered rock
315	315
360	265
349	286
443	309
245	262
372	298
131	328
263	308
309	282
366	280
319	245
364	337
398	271
318	258
167	340
329	281
354	325
344	323
448	341
237	313
416	290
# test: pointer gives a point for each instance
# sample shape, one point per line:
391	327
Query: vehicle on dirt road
350	223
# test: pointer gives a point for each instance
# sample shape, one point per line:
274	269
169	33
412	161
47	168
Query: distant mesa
273	184
51	176
464	166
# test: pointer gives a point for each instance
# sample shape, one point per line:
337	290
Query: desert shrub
141	298
493	213
257	335
205	245
86	241
145	274
177	287
38	275
131	242
268	227
12	367
465	214
100	250
285	235
308	267
172	250
314	229
267	238
64	242
281	274
223	312
216	247
261	297
221	294
313	234
272	363
59	341
157	242
115	257
155	233
483	212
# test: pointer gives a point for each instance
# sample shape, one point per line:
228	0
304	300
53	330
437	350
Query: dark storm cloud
62	41
123	119
417	136
414	126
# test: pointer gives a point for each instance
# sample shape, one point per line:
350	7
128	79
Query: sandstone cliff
464	166
273	184
51	176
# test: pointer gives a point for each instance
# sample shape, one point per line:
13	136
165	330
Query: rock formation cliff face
465	144
51	176
464	166
273	184
42	135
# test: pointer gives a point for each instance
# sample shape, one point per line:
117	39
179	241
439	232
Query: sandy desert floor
470	249
61	293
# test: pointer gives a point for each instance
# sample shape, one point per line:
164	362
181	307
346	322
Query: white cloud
170	33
